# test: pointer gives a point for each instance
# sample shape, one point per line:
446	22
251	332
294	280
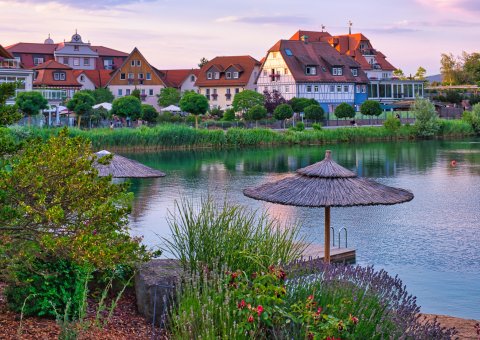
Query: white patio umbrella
106	106
171	108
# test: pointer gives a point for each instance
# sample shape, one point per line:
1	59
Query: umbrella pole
326	257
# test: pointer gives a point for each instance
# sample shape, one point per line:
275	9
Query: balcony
214	96
9	63
228	96
274	77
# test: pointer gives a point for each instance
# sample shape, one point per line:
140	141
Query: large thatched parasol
327	184
121	167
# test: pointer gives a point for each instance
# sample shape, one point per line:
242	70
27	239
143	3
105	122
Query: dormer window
354	72
235	75
228	75
75	48
216	75
192	78
209	75
310	70
59	75
337	71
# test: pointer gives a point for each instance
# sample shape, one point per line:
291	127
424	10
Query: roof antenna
323	27
350	23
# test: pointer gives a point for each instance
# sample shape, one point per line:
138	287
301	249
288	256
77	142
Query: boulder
155	284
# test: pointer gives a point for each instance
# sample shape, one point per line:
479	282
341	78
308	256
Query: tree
314	112
299	104
149	114
81	104
247	99
8	113
202	62
272	100
30	103
448	68
420	74
168	96
136	93
371	108
426	118
283	112
454	97
344	110
471	67
256	113
127	107
194	103
399	74
103	95
229	114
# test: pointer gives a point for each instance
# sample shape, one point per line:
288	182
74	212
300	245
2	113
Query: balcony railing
9	63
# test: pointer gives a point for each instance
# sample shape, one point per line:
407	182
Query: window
337	71
56	76
192	78
143	92
384	75
309	88
207	91
288	52
108	64
357	88
332	88
119	92
82	78
149	76
228	91
209	75
76	61
140	76
237	90
132	63
274	55
345	88
285	71
130	76
364	88
315	88
75	48
265	89
228	75
354	72
287	89
38	60
265	73
122	76
216	75
127	92
86	61
235	75
65	60
339	88
139	62
150	92
311	70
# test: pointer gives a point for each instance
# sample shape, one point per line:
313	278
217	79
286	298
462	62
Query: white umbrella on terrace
106	106
171	108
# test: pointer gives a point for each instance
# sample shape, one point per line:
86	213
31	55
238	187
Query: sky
177	33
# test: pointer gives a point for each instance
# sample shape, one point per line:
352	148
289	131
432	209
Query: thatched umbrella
327	184
121	167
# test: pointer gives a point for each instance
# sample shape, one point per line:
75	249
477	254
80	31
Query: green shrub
299	126
426	122
317	126
392	124
473	118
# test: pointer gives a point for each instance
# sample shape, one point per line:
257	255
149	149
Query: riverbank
172	137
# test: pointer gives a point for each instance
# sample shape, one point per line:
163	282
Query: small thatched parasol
327	184
121	167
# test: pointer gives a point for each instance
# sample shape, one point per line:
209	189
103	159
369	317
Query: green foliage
81	104
8	113
399	74
195	104
392	123
101	95
282	112
474	99
128	106
256	113
420	74
245	100
205	234
136	93
168	96
149	113
473	118
203	61
299	104
426	122
216	112
314	112
344	110
31	102
317	126
298	127
454	97
371	108
229	114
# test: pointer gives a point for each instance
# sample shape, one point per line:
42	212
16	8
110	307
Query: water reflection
427	240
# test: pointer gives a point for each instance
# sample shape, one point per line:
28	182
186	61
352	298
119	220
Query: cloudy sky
177	33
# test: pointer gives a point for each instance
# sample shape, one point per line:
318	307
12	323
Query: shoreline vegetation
173	137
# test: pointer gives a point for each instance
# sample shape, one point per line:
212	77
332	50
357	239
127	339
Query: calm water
432	242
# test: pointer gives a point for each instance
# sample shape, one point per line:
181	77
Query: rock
155	283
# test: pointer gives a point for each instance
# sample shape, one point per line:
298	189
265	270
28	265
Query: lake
432	242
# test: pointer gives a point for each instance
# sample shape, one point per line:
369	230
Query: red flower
310	336
271	268
259	310
250	318
354	319
241	304
281	274
254	276
319	310
310	297
94	232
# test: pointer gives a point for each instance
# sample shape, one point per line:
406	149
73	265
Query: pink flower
241	304
310	297
94	232
259	310
250	318
319	310
354	319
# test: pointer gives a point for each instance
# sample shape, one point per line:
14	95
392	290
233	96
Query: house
182	79
383	86
313	69
74	53
11	70
93	79
223	77
137	73
57	82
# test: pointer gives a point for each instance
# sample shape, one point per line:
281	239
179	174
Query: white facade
11	72
189	83
148	93
87	84
283	82
77	54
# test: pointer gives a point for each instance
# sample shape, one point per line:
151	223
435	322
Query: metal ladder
332	229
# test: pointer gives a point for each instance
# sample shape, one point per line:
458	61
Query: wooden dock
337	255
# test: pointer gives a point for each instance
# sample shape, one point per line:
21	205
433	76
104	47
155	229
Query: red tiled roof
175	78
98	77
4	53
51	64
39	48
45	76
321	55
312	35
247	63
